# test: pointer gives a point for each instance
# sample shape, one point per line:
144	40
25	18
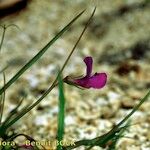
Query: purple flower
97	81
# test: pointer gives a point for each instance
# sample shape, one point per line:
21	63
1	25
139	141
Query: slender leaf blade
38	55
21	114
2	100
102	140
61	114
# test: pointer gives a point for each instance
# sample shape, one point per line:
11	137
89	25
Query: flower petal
98	80
88	61
83	82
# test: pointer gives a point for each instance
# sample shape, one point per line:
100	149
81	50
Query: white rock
54	110
41	120
33	80
112	96
69	120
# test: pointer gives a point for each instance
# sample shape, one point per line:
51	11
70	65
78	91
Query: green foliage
5	126
2	100
39	55
104	139
61	114
109	139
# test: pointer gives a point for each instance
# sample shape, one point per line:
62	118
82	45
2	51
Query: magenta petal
98	80
88	61
83	82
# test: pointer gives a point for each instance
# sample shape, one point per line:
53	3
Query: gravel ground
118	39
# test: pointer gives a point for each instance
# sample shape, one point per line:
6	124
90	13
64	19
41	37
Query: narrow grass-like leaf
102	140
13	25
3	35
12	113
61	114
134	109
4	68
2	101
4	31
116	138
22	113
38	55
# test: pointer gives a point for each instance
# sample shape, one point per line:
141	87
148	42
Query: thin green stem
3	35
134	109
102	140
13	113
61	114
4	128
2	101
38	55
4	31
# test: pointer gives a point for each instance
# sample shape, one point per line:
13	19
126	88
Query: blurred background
118	39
